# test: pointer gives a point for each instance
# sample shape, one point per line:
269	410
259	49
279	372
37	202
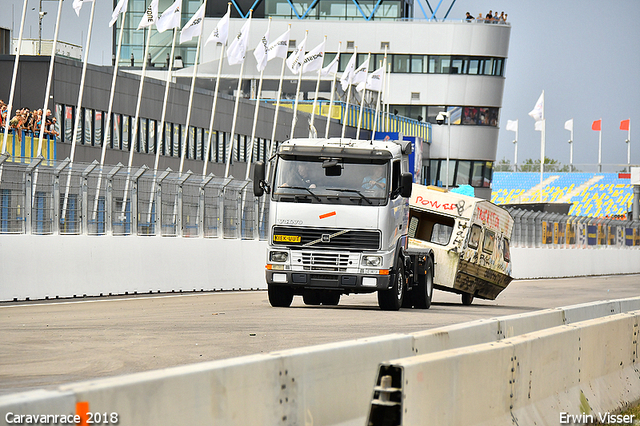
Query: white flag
360	74
150	15
332	68
261	53
374	81
238	48
539	126
77	5
221	31
170	18
512	125
294	61
569	125
347	75
121	7
193	28
279	47
314	59
538	111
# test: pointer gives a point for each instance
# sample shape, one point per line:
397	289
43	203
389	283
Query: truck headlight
278	256
372	261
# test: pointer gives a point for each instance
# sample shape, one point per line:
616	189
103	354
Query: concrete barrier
49	266
557	263
321	385
585	369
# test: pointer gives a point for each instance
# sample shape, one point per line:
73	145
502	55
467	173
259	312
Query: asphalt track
48	343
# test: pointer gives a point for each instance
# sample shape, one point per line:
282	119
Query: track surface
48	343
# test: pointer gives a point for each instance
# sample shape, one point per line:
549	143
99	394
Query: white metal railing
169	204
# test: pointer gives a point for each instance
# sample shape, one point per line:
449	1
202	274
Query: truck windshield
333	181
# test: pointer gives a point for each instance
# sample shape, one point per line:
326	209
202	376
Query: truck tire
331	298
391	300
280	296
424	291
467	299
312	297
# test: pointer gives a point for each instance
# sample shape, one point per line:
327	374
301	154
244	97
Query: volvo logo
326	238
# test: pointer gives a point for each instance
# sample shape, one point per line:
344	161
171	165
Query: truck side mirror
406	185
258	179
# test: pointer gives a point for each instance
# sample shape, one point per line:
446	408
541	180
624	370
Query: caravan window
505	250
474	236
431	227
489	241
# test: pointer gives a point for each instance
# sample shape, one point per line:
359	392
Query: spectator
468	18
505	18
501	18
489	17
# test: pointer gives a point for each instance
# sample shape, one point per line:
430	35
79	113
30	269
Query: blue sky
584	54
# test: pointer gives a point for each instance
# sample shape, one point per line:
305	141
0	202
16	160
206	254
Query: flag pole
629	146
74	141
600	148
136	120
276	112
107	132
43	118
235	115
387	124
364	92
333	89
379	98
16	60
542	146
249	158
160	132
345	115
48	88
185	132
294	120
315	98
213	107
571	150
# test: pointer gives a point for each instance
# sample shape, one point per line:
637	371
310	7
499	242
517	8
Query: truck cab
338	219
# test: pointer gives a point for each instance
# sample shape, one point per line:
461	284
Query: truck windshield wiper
351	190
302	187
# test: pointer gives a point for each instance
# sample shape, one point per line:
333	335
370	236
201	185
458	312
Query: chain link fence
554	230
65	198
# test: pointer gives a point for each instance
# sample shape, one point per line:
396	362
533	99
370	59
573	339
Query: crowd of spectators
489	18
28	121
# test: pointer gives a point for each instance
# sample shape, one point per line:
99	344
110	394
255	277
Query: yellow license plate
287	238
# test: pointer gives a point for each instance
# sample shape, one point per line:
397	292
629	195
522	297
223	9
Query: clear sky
584	54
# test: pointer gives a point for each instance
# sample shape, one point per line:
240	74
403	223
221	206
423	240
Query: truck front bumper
329	280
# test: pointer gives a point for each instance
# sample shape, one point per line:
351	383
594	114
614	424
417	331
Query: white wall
554	263
38	267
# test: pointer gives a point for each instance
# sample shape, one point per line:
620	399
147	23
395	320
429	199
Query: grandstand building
436	65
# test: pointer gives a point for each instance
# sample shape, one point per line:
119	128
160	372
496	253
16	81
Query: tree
550	165
503	165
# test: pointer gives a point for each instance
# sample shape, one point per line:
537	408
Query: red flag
597	125
624	124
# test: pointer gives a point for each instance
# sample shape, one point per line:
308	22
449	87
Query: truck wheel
467	299
331	298
312	297
391	300
424	292
280	296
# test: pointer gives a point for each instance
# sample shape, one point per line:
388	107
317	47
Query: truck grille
329	238
336	262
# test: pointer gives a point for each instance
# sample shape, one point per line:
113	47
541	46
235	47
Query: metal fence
554	230
64	198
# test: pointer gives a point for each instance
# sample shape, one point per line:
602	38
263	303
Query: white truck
338	221
469	238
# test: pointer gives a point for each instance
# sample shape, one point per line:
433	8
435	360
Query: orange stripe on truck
326	215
